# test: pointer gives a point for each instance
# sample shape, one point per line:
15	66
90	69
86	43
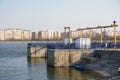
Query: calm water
14	65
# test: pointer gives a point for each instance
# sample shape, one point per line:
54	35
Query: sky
38	15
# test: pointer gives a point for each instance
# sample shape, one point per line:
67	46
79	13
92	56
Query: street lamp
114	25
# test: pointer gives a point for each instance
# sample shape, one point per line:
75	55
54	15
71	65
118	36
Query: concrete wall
37	51
58	57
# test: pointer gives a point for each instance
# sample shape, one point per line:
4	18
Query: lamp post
101	36
114	25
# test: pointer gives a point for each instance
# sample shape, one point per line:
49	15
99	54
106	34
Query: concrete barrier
66	57
37	51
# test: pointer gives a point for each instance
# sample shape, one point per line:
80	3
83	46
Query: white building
118	33
2	34
57	35
9	34
43	35
26	35
83	43
18	33
50	34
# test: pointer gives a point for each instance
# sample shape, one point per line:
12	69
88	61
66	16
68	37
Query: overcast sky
38	15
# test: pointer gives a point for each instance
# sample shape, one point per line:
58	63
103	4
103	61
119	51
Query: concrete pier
66	57
37	51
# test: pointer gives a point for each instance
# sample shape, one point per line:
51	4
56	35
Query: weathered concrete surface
37	51
105	62
107	65
66	57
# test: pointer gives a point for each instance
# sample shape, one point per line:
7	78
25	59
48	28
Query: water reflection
37	69
36	60
63	74
68	73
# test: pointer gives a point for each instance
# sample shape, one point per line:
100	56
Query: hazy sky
55	14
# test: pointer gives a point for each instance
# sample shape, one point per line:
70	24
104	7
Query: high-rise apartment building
18	34
26	35
2	34
9	34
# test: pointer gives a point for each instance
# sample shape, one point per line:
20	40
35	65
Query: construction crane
101	27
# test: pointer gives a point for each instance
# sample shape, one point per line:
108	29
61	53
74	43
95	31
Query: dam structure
59	54
70	52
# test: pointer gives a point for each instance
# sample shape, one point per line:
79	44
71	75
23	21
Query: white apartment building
26	35
50	34
118	33
2	34
57	35
18	34
43	35
9	34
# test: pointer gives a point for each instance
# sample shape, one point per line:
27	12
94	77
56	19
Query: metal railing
95	45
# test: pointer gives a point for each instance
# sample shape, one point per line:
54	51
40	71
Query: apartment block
118	33
26	35
50	34
9	34
2	34
57	35
35	36
18	34
43	35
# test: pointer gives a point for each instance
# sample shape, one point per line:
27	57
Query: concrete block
37	51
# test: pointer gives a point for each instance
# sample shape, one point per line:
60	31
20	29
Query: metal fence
72	45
